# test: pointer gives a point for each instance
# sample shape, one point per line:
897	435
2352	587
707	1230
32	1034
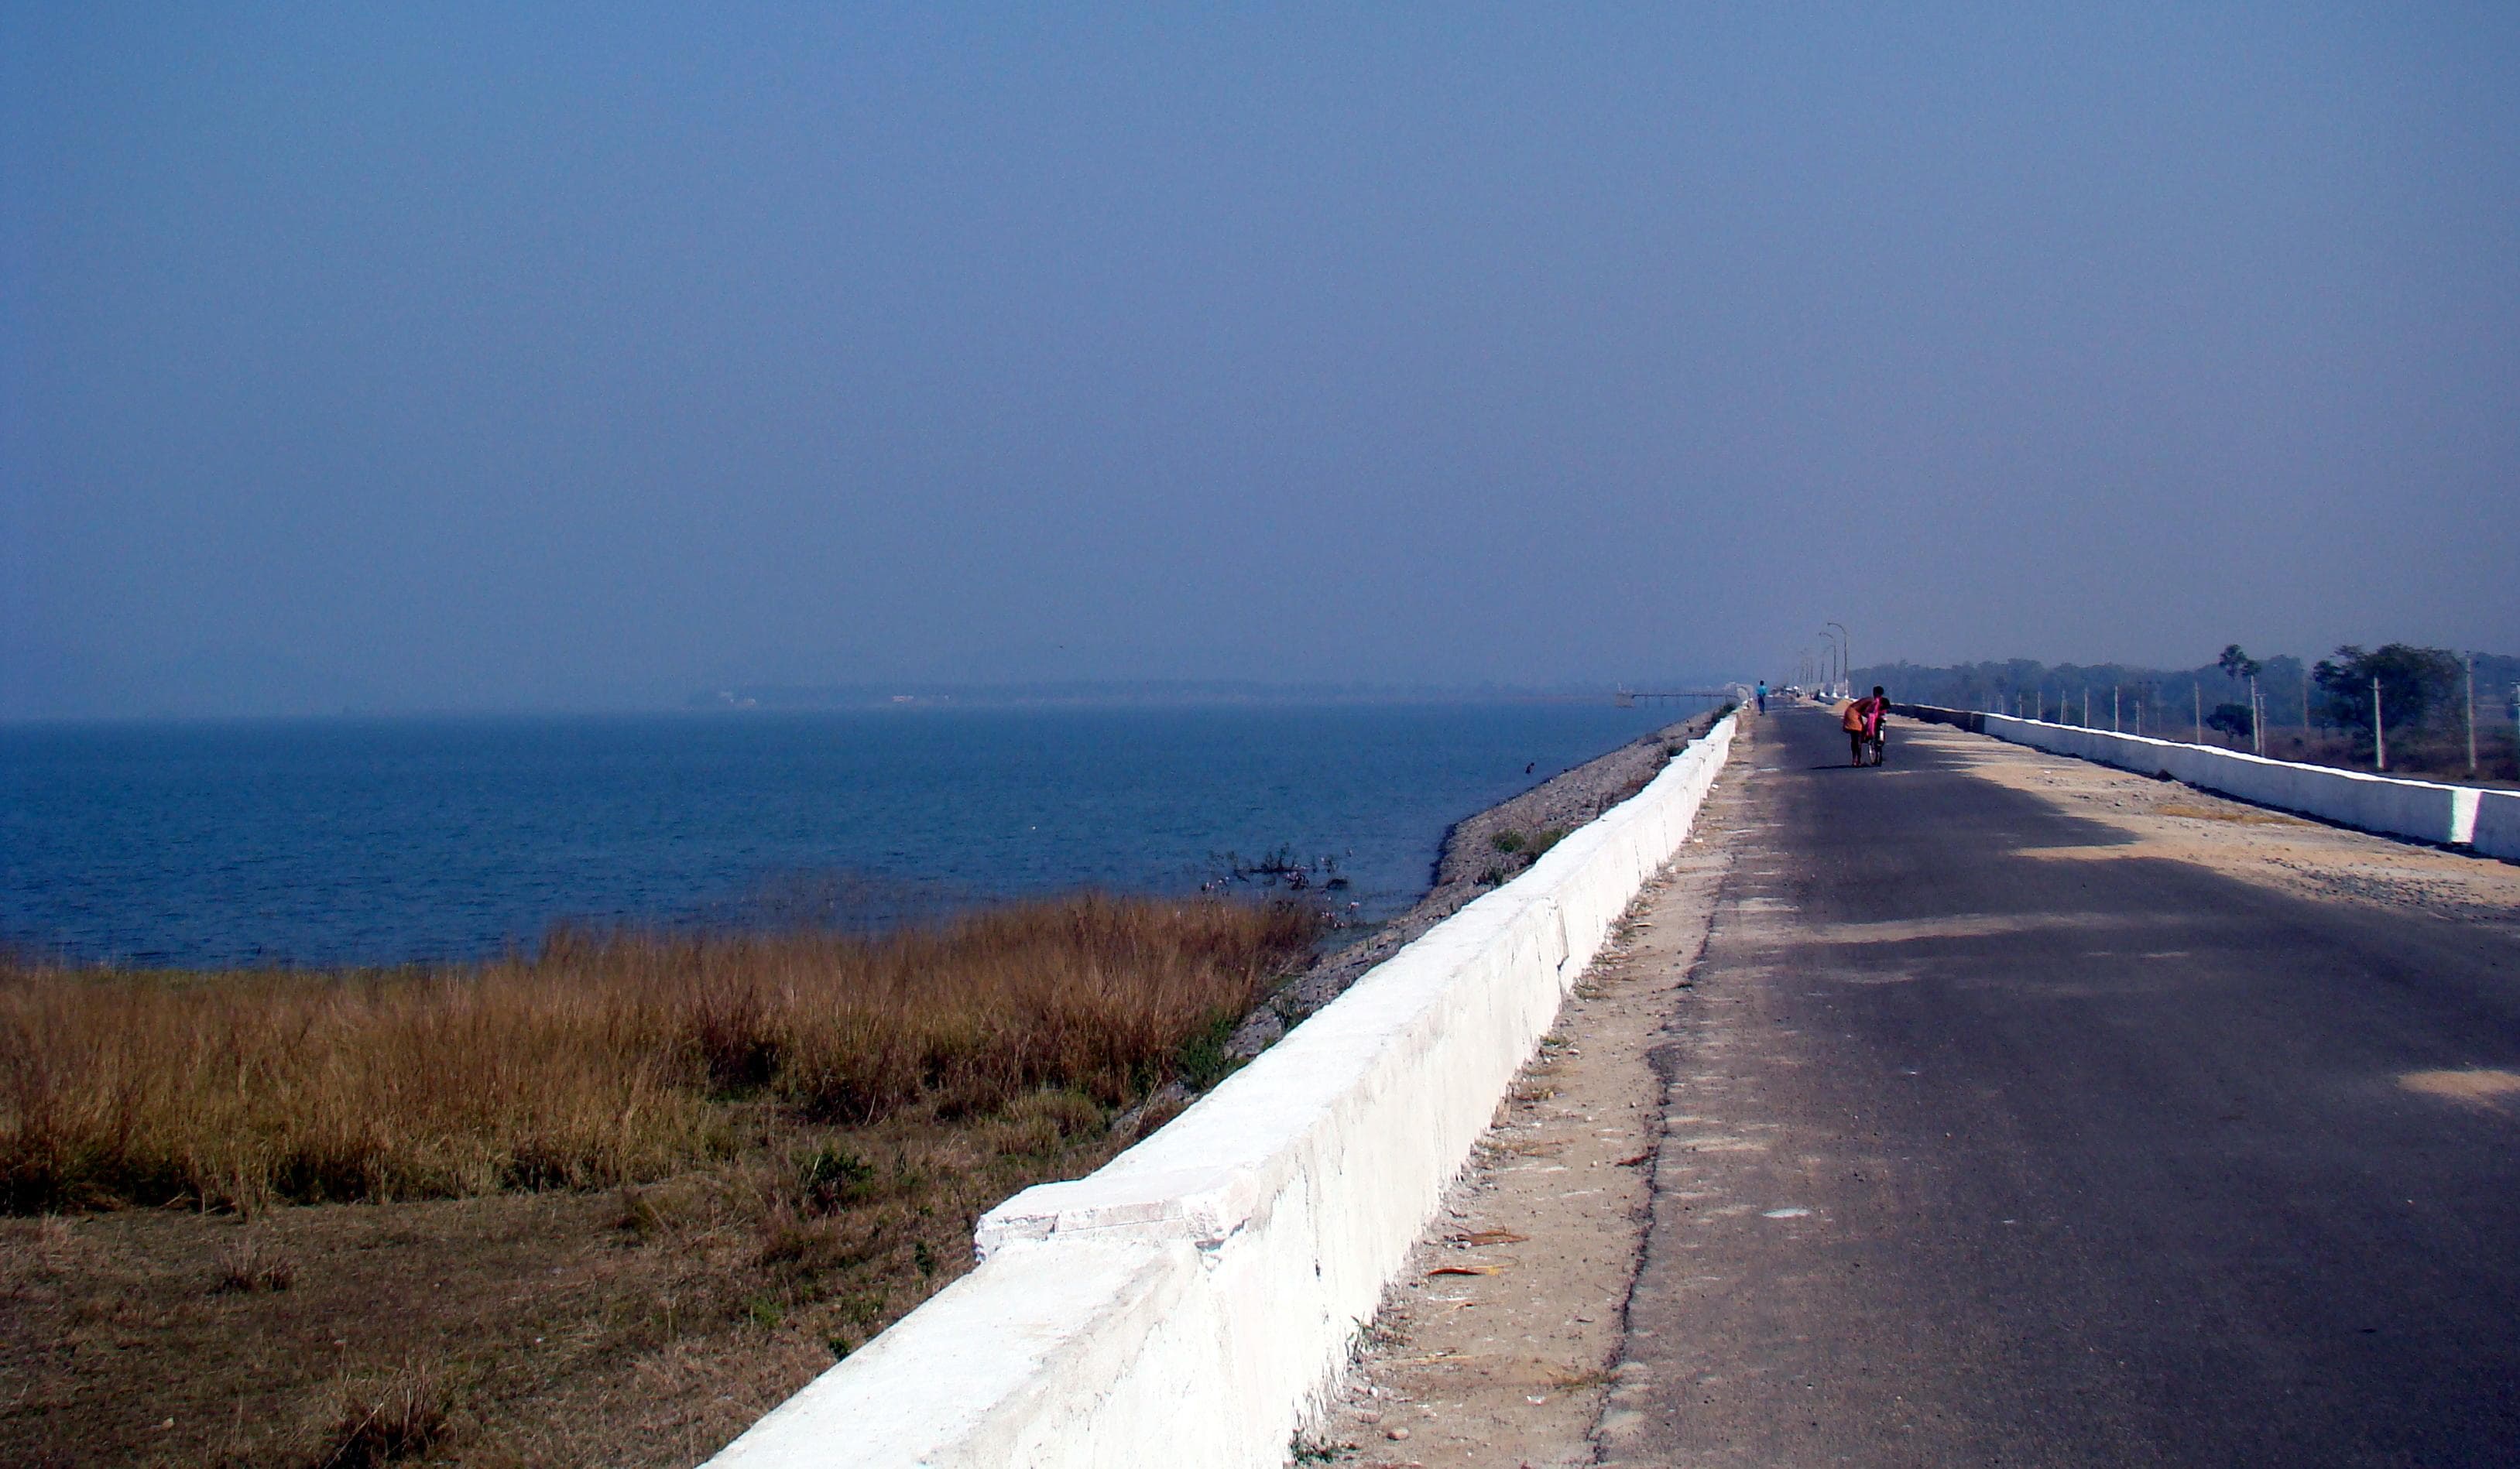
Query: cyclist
1862	719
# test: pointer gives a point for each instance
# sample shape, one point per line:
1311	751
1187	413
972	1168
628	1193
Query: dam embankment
1192	1301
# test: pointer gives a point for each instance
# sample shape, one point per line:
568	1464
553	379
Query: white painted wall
2421	810
2497	824
1190	1303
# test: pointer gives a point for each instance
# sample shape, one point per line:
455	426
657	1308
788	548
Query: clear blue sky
538	355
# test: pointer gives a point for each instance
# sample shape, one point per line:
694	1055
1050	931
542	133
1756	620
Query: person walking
1763	695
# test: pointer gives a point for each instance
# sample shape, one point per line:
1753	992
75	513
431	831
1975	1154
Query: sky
541	356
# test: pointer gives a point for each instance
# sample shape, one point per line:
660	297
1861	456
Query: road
1991	1139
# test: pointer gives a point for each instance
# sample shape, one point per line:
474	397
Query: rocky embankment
1478	853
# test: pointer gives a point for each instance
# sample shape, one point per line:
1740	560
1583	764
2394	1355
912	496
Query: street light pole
1846	656
2380	735
2471	716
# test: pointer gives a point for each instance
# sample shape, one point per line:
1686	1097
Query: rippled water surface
375	841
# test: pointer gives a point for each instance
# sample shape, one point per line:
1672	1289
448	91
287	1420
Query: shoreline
1468	854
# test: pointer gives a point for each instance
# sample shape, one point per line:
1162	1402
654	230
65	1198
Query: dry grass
634	1191
251	1263
382	1419
602	1061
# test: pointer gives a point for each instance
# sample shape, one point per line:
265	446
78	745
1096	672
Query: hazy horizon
208	705
589	357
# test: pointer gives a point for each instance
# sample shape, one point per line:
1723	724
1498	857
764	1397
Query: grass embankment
633	1189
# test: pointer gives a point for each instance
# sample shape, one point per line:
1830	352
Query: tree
2238	666
2413	681
2231	719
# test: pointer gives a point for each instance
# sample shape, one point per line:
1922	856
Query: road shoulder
1494	1344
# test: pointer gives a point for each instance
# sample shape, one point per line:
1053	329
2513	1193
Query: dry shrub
602	1061
384	1419
251	1263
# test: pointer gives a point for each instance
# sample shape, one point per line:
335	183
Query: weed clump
381	1420
250	1264
833	1177
1519	851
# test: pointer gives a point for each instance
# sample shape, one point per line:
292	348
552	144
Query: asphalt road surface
1977	1158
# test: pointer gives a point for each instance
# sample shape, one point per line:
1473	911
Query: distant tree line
2413	686
2421	688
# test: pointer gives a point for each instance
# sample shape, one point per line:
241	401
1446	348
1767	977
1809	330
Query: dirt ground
1493	1348
645	1327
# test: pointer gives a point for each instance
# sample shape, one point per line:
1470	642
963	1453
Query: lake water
378	841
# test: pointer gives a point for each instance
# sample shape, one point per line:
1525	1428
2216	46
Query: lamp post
2471	716
2380	735
1845	657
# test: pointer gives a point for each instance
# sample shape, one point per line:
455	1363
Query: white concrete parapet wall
1190	1303
2497	824
2421	810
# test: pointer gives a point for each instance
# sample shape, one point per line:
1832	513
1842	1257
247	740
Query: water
381	841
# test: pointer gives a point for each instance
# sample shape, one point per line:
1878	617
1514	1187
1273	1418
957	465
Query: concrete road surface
1979	1157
